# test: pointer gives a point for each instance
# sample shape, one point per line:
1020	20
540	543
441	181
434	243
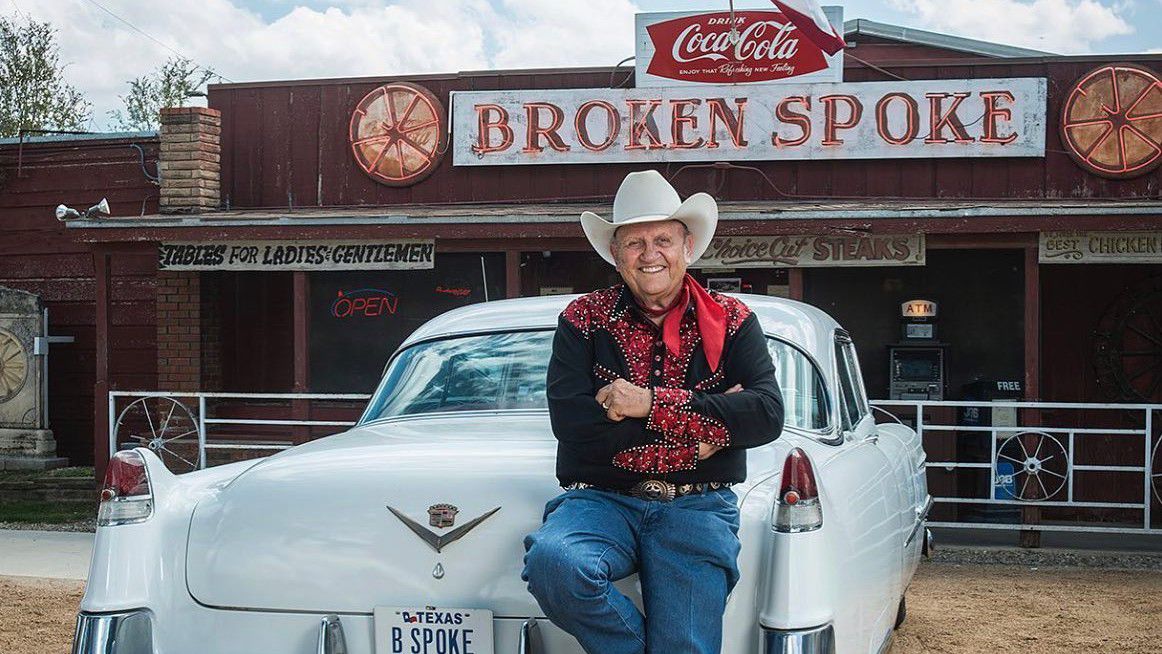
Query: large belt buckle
655	490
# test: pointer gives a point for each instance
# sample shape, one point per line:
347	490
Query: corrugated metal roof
866	27
558	213
93	136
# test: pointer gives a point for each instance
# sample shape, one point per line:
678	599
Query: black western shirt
604	336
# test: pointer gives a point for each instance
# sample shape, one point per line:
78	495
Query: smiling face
652	259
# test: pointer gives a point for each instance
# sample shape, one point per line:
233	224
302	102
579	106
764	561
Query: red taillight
798	508
798	478
126	497
125	477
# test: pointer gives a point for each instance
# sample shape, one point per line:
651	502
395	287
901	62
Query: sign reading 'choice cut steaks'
862	120
802	251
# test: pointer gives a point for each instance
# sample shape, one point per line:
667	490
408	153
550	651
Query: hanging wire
734	37
613	72
151	38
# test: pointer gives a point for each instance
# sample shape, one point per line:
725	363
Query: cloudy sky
248	40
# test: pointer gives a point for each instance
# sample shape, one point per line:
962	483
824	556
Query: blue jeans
685	552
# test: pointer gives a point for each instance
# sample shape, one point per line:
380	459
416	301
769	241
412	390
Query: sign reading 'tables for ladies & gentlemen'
817	251
402	254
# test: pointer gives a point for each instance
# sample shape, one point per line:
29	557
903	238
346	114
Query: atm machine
916	363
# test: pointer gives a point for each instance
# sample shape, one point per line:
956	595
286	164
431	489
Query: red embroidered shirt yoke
604	336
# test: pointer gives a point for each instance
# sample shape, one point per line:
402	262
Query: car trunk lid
353	521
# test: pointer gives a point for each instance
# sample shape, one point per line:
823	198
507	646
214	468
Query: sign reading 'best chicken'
864	120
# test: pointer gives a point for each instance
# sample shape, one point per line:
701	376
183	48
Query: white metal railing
1032	456
171	422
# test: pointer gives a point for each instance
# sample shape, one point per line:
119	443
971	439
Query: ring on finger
605	405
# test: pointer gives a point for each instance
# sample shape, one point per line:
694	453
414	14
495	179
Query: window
471	373
852	398
359	317
507	371
804	391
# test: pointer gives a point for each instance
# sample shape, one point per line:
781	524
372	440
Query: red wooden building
187	288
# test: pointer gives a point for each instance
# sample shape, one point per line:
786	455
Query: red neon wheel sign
1111	123
398	133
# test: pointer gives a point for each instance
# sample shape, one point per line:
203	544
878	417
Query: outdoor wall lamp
65	214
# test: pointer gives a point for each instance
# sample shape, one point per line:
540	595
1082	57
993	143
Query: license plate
432	630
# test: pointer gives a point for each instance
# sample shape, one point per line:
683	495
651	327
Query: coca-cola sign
721	48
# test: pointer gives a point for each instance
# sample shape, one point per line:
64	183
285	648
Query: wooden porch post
101	387
1032	515
795	281
301	409
512	273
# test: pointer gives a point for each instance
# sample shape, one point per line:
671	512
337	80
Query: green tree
33	91
169	86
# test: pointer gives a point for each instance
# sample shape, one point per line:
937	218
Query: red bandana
710	315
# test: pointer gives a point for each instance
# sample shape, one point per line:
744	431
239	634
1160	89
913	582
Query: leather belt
656	490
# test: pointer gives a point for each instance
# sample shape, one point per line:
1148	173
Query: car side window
853	401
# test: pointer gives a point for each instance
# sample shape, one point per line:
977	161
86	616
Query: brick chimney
190	162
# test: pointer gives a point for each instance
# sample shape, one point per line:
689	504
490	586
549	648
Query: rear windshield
507	371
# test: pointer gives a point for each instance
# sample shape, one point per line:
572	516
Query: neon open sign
364	303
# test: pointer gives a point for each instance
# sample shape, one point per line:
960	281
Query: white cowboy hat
647	197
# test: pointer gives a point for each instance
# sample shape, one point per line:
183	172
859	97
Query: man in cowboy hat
656	387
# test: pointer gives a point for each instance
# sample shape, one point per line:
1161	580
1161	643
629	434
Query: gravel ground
952	607
84	525
974	608
38	615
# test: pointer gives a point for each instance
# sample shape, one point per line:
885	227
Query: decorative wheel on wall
1128	355
397	133
1039	462
165	426
1111	123
13	366
1156	470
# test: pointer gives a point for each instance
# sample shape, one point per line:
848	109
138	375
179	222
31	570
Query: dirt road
951	608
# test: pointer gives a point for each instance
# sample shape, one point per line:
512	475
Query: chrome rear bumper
819	640
124	632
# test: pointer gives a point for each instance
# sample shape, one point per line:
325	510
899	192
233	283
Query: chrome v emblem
437	541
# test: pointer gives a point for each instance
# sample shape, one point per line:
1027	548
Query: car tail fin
798	508
126	496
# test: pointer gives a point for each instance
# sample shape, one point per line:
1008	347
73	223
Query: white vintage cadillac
404	534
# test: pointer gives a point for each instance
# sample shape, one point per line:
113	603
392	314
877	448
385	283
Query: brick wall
190	162
179	339
211	320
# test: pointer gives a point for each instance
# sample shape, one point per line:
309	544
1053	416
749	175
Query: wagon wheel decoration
13	366
397	133
1156	470
1128	342
1111	123
165	426
1040	462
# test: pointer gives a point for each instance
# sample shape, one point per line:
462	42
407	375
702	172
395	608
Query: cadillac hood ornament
440	515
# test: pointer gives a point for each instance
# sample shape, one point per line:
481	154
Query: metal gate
1080	467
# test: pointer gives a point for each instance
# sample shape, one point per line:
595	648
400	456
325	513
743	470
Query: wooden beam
795	280
512	273
1032	324
102	386
1032	515
980	241
301	409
